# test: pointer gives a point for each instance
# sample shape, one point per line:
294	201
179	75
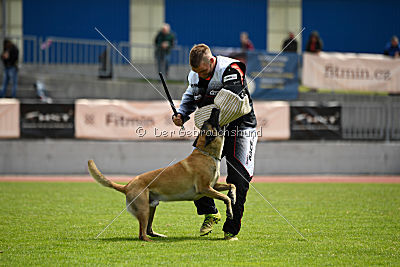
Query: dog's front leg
150	231
212	193
232	190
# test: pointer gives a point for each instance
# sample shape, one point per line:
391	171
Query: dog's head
210	137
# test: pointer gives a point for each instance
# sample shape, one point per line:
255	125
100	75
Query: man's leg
14	78
5	83
158	58
167	59
240	152
206	206
232	226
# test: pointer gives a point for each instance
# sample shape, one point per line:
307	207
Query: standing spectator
393	48
245	42
164	41
314	44
10	61
291	44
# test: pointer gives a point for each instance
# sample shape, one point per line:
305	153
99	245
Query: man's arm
14	55
187	105
233	78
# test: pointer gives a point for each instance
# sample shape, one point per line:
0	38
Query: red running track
382	179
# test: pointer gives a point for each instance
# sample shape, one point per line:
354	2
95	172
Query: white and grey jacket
228	74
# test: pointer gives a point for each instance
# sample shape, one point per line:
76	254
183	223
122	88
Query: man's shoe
230	237
208	223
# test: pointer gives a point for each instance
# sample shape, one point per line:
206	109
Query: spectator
290	44
393	48
314	44
245	42
10	61
164	41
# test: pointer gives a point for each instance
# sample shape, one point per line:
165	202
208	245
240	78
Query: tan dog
190	179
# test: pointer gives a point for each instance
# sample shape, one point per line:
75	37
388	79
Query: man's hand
178	121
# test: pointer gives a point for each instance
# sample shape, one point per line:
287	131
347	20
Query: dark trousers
162	58
240	178
10	73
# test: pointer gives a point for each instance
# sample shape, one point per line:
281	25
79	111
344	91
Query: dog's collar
207	154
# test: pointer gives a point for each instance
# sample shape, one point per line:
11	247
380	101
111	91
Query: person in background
393	48
289	44
314	43
10	61
245	42
164	41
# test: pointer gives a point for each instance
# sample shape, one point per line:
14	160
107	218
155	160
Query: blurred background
329	103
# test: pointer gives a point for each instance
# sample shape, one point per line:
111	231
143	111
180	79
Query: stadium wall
119	157
77	19
224	21
360	26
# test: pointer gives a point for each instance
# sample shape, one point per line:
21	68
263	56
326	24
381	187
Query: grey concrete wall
70	157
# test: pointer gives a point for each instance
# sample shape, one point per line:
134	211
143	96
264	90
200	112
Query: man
291	44
164	41
209	75
10	61
245	43
314	43
393	48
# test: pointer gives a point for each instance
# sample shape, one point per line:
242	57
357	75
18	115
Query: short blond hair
197	54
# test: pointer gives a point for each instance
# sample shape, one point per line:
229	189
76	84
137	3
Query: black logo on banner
47	120
315	122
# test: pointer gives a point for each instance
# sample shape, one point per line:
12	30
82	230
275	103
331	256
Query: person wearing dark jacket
314	44
164	41
10	62
290	44
392	48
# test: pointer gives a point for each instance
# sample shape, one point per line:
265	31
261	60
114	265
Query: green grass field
345	224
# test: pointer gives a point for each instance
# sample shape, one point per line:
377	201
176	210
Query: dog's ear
209	138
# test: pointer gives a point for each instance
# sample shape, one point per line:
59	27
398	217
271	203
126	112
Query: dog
190	179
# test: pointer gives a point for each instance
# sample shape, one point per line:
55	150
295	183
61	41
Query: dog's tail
96	174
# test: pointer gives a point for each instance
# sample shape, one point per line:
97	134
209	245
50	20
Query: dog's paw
154	234
145	238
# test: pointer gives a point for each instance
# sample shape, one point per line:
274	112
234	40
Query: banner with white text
361	72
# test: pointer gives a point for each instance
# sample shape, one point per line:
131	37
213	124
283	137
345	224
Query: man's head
201	60
165	28
7	43
395	41
244	36
291	35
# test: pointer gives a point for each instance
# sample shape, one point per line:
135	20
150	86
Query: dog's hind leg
212	193
150	231
140	209
232	190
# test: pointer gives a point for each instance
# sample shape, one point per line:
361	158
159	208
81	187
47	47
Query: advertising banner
128	120
275	78
151	120
47	120
309	121
362	72
273	120
9	118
